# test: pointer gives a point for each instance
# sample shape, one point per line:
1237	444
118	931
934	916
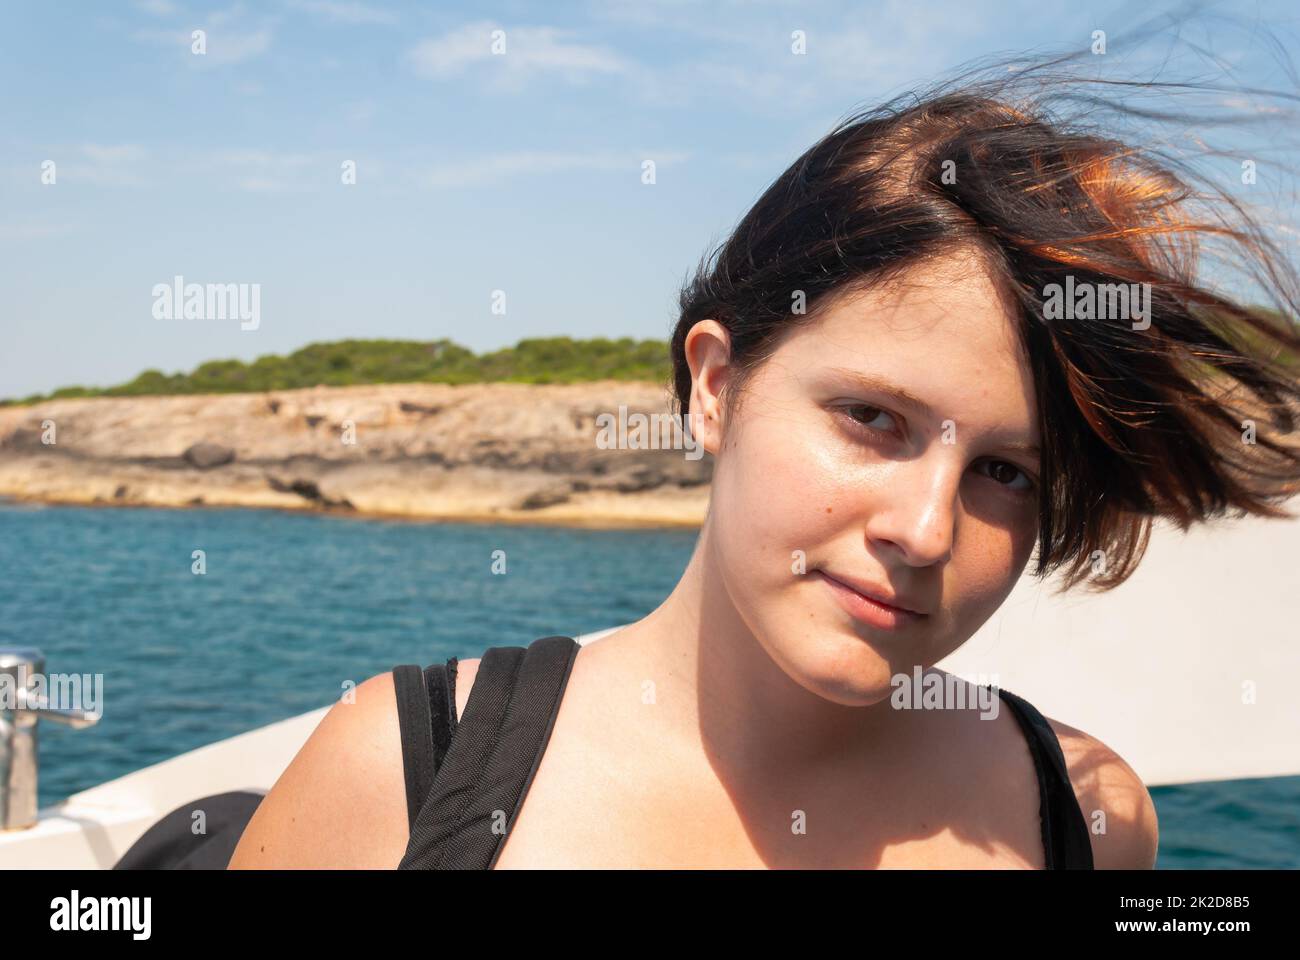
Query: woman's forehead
944	337
947	312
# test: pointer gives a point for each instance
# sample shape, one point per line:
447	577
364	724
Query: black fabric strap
442	708
1065	830
491	761
452	664
417	743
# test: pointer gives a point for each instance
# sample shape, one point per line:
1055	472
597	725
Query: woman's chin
852	696
848	672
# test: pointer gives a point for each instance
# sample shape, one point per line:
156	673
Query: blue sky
475	172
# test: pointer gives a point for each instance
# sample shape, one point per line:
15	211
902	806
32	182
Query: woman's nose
916	513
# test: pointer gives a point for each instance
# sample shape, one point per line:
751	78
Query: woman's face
890	443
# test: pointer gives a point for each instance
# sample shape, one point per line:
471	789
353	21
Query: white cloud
223	46
157	8
116	153
345	11
164	38
112	165
723	21
264	171
264	185
528	51
262	158
226	47
740	50
230	37
502	166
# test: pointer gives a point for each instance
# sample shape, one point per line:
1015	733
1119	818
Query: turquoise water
293	604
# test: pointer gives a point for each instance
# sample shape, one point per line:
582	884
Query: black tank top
466	779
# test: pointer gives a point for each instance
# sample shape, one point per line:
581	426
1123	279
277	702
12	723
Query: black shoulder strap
491	761
1065	830
440	684
417	742
426	717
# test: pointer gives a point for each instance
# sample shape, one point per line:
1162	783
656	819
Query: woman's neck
724	695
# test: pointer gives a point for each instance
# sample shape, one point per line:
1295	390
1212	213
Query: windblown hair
1137	424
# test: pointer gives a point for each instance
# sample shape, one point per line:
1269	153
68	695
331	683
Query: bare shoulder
1115	802
341	802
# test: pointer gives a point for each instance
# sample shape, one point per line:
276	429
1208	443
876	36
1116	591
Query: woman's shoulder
353	758
1116	806
1115	803
341	802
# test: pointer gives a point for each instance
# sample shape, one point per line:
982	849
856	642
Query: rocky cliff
496	451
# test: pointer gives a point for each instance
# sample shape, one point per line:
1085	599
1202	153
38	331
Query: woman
901	408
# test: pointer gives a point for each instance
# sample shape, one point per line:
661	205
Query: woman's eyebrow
1021	446
878	384
871	381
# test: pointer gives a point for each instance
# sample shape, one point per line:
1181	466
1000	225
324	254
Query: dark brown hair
1136	423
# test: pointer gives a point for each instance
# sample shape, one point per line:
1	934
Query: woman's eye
1008	475
870	417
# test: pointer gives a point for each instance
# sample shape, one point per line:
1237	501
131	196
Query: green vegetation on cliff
348	362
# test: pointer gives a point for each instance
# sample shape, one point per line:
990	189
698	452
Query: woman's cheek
984	569
789	478
772	497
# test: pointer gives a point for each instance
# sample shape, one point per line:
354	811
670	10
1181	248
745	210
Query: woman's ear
708	354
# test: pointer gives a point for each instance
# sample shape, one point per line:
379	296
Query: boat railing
25	699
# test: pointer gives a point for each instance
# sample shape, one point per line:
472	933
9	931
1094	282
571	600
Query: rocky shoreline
498	452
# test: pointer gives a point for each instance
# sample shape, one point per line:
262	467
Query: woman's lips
868	610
